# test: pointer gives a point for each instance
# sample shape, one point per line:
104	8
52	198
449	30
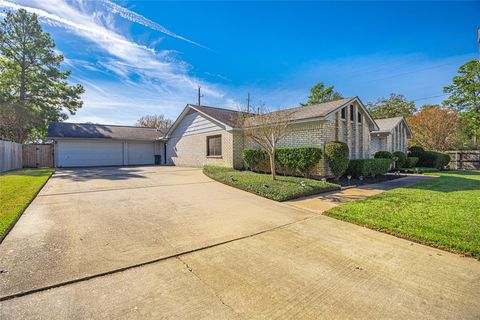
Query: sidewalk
325	201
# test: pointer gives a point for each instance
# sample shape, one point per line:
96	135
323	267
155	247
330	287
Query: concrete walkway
322	202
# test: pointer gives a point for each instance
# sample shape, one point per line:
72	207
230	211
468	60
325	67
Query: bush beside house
382	154
429	159
411	162
336	153
289	161
400	159
368	167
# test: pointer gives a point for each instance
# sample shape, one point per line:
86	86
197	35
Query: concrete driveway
167	242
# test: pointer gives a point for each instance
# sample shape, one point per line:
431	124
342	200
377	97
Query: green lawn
17	189
443	212
284	188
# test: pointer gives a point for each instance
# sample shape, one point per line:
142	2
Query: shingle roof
229	117
101	131
225	116
315	110
388	124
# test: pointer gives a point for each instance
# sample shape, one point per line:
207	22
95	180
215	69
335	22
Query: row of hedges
429	159
368	167
292	161
400	158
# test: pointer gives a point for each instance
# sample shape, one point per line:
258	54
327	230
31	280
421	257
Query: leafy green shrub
336	153
292	161
401	159
254	158
433	159
411	162
368	167
382	154
299	160
415	151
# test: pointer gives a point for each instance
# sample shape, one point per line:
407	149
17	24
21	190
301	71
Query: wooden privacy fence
37	155
10	155
464	159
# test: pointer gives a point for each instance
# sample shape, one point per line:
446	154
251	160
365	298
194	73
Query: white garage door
141	153
89	153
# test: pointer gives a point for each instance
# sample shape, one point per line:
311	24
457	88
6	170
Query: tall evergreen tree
32	84
394	106
465	97
320	94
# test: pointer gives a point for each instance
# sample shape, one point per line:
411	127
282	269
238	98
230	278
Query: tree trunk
22	84
272	165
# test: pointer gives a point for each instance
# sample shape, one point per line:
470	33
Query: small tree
320	94
154	121
394	106
434	128
265	129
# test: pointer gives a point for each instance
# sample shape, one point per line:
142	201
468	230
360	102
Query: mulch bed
343	181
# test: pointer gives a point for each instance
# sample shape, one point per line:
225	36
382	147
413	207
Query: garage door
89	154
140	153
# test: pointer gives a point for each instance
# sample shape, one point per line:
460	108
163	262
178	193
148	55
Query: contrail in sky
137	18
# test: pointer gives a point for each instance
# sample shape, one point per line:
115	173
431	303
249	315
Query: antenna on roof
200	96
248	102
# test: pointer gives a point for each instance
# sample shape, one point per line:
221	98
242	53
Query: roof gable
389	124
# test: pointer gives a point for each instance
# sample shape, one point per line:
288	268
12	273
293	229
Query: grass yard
284	188
17	189
443	212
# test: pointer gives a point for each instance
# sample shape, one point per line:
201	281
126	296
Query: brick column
356	133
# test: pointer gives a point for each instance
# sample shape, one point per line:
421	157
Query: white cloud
142	80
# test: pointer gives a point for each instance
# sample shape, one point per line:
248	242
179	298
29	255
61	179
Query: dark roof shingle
101	131
229	117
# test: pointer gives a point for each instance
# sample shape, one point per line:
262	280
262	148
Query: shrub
415	151
411	162
368	167
292	161
401	159
336	153
254	158
382	154
298	160
433	159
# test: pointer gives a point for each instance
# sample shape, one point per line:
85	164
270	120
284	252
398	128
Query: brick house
204	135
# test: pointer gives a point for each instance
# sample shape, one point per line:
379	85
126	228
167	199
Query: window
359	117
214	146
344	113
352	113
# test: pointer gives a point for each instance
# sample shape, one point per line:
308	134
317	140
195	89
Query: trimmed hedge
412	162
254	158
292	161
298	159
401	159
368	167
382	154
336	153
415	151
433	159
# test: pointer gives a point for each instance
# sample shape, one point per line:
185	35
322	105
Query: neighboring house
84	145
392	136
204	135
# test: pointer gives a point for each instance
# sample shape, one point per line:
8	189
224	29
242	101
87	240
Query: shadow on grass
452	182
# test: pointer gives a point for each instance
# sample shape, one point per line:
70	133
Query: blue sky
148	57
